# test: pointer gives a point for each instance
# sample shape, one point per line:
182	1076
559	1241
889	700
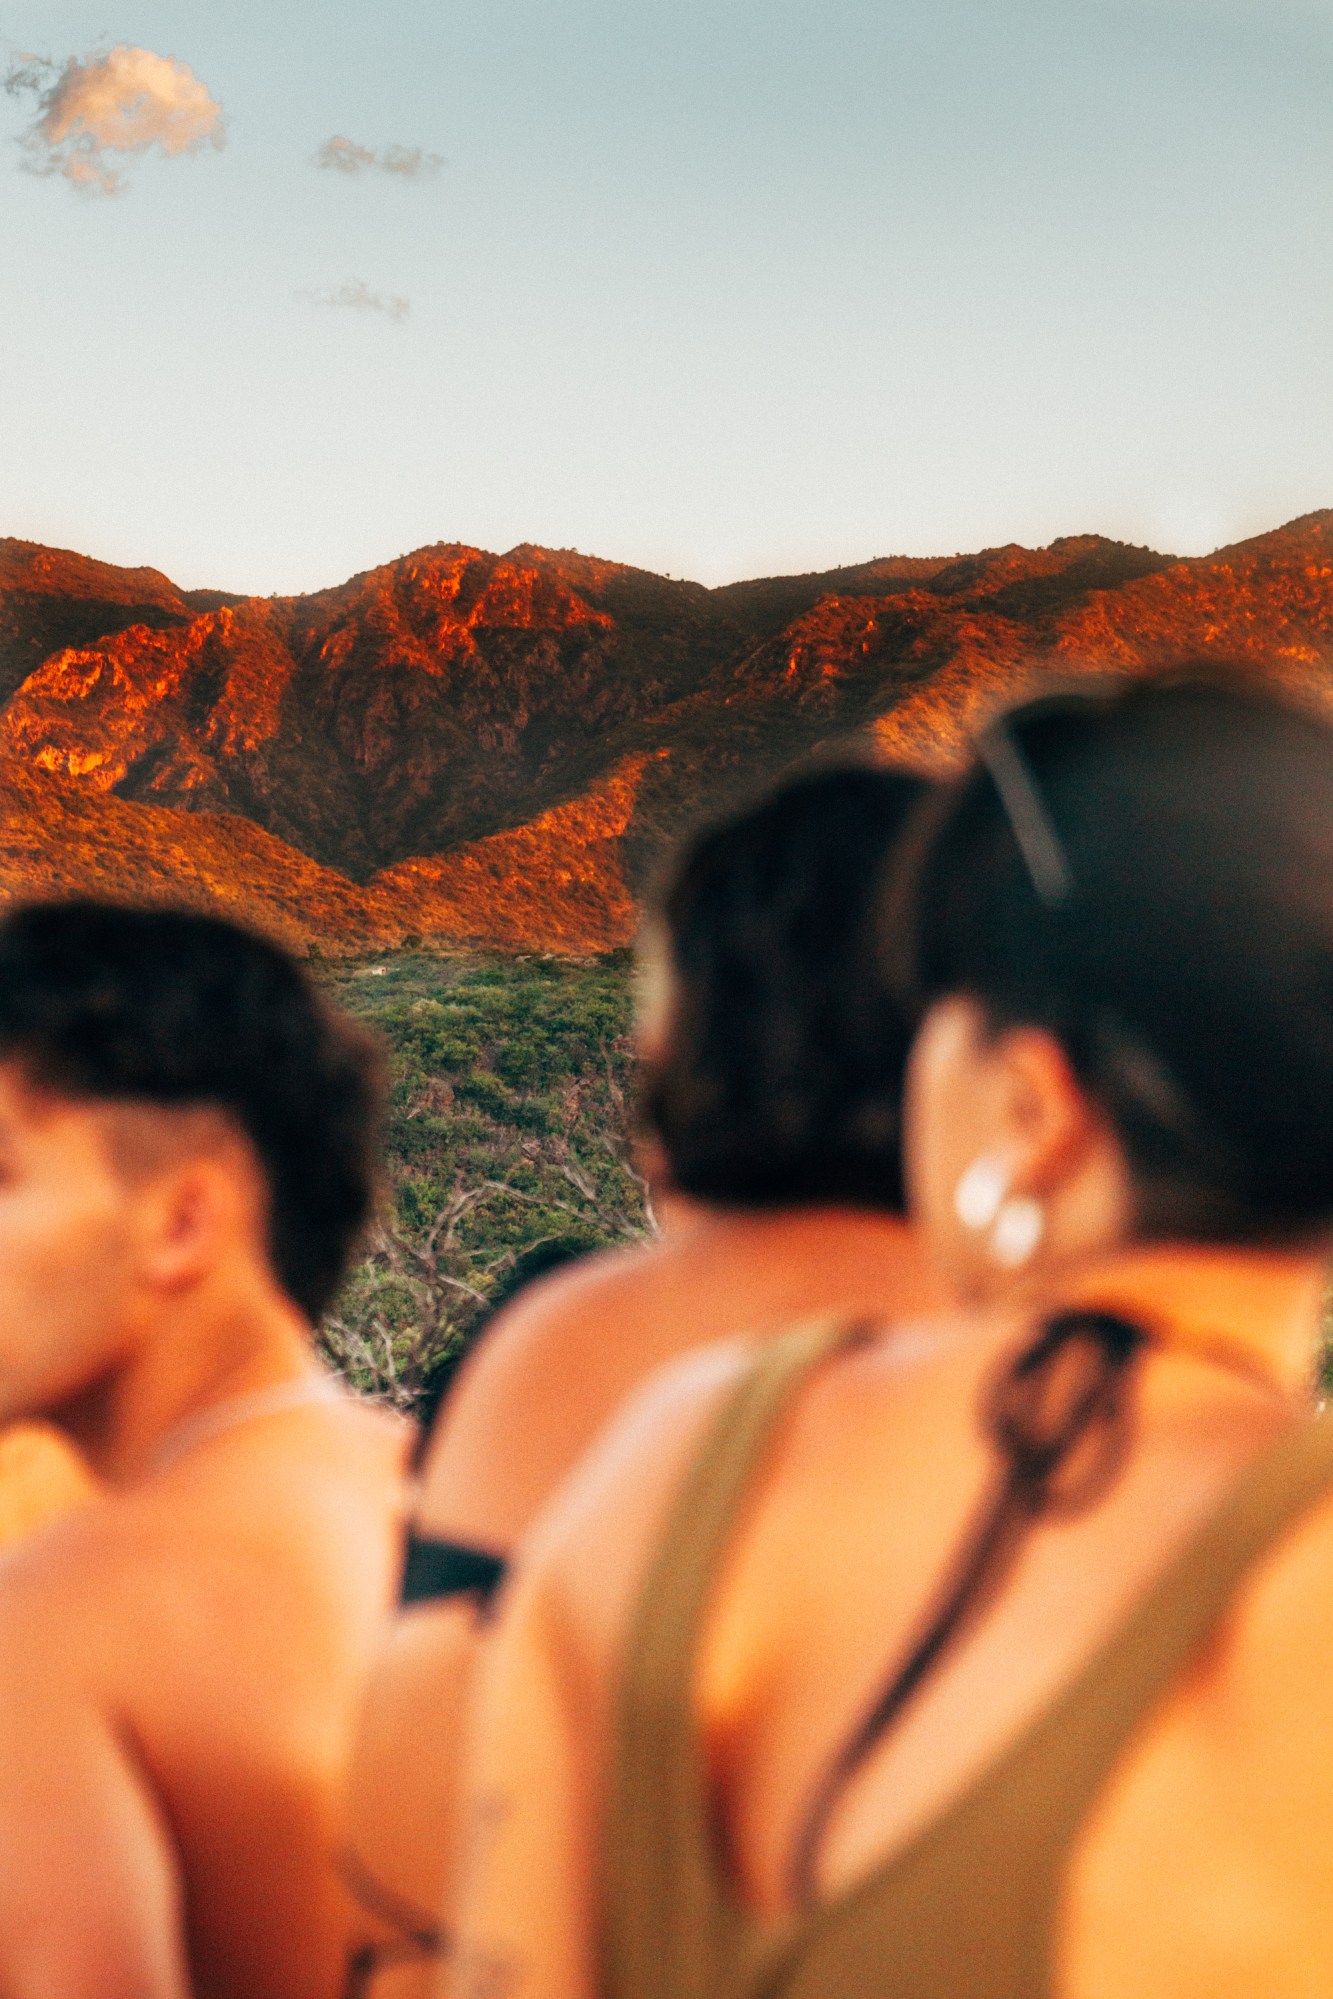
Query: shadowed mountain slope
494	748
555	884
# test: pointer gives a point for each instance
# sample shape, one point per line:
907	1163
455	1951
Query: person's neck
732	1227
1263	1307
193	1354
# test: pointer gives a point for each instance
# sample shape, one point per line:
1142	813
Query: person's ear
189	1215
1042	1131
1045	1119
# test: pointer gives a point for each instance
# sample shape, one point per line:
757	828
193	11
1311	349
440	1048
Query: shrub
507	1134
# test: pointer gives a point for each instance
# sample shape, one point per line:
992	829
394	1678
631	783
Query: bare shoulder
1229	1789
211	1558
1250	1726
63	1590
529	1346
547	1372
618	1493
591	1545
588	1548
1283	1624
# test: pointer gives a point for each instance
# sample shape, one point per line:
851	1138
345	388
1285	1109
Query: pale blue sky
720	287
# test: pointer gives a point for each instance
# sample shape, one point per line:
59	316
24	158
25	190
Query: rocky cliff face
495	747
50	599
437	700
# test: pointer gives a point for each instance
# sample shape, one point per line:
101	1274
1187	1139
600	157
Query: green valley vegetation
507	1148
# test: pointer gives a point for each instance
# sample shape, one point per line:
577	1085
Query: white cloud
92	112
358	297
345	156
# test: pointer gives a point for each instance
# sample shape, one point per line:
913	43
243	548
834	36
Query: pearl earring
980	1192
1019	1228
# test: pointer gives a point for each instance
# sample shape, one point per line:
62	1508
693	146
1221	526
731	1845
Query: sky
715	287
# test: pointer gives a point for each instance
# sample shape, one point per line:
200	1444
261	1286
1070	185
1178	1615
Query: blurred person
989	1658
186	1156
42	1477
772	1065
536	1260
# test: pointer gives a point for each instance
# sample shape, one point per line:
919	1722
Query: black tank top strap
434	1569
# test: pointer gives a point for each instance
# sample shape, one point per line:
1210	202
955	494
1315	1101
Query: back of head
160	1007
780	1081
1147	873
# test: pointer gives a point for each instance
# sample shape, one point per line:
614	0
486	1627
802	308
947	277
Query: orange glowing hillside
493	749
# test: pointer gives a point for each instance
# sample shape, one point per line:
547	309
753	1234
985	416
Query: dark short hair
1187	966
163	1007
781	1081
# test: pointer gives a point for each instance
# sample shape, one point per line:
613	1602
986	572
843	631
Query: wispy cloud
94	112
345	156
357	296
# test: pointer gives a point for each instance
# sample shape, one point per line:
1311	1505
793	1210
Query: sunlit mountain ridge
493	749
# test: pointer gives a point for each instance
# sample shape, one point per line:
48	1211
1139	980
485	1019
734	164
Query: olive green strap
970	1908
661	1917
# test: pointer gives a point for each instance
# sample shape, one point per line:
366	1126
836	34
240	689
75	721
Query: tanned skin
1204	1873
41	1477
181	1659
549	1374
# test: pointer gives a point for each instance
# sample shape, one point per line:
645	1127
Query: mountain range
476	748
